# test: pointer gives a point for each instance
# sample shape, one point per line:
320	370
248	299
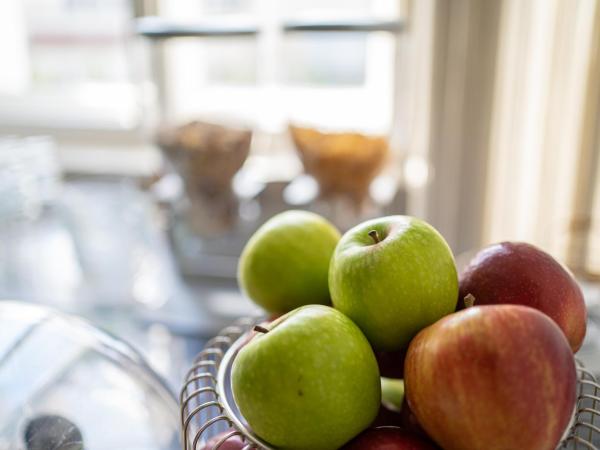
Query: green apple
393	276
392	393
285	263
311	381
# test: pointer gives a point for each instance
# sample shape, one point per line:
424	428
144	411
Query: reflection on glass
325	6
325	58
78	41
230	62
61	369
29	176
213	61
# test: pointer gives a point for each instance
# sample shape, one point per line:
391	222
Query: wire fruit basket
210	419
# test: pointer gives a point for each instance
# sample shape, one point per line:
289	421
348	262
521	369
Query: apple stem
469	300
260	329
375	236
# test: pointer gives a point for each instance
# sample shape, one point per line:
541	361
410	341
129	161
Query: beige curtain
544	142
511	122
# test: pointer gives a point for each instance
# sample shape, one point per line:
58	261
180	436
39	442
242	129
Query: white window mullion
270	114
13	48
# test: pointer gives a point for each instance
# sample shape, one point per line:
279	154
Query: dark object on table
95	380
52	432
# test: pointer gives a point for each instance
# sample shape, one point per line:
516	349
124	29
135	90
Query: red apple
231	443
388	438
521	274
492	377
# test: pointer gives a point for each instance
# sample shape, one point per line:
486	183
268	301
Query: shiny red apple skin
388	438
231	443
492	377
522	274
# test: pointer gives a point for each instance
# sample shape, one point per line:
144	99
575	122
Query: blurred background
143	141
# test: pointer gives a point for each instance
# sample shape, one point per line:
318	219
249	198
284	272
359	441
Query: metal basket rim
238	333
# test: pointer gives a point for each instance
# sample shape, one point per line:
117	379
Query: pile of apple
385	299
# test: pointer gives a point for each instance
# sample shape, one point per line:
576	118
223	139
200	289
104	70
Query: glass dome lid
65	385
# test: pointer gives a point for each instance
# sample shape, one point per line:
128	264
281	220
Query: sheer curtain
510	124
543	150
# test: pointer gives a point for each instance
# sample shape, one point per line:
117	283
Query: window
278	72
76	64
72	64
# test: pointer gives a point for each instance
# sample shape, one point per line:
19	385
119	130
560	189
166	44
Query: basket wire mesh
209	418
585	431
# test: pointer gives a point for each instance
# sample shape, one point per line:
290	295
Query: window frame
73	108
269	32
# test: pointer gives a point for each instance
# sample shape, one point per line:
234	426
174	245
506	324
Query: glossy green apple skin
311	382
396	287
392	393
285	263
